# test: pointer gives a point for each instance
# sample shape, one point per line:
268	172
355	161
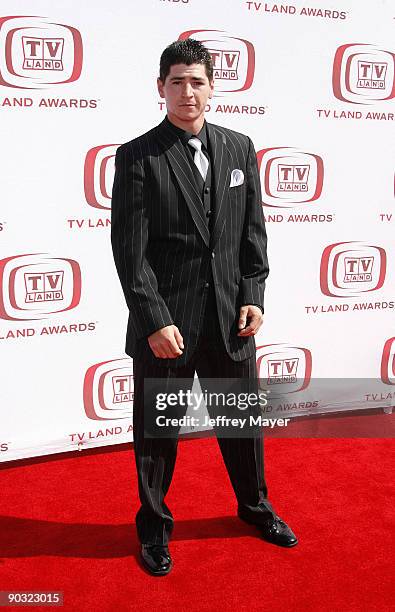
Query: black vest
211	326
205	189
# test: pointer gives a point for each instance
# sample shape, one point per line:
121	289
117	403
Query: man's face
186	91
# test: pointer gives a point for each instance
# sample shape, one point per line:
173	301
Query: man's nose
187	91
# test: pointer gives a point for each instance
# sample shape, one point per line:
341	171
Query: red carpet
66	524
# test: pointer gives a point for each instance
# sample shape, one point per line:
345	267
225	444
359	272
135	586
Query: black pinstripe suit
167	252
162	245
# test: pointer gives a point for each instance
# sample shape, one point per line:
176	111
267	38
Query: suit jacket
163	249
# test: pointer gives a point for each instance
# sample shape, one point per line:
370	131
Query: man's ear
160	87
210	95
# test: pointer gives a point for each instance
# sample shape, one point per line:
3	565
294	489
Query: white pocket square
236	178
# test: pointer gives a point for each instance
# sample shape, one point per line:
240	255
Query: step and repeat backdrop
311	82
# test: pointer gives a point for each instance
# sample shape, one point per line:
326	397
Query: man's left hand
253	316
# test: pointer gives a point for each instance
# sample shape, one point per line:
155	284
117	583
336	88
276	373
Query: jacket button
206	285
212	255
208	213
207	190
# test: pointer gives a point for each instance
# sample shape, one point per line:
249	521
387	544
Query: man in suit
189	245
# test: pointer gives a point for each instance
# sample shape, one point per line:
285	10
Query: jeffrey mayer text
219	421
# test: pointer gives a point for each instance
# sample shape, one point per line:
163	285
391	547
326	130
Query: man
189	244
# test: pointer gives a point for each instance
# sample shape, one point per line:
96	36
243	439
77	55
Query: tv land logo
363	74
99	175
388	362
289	176
282	370
35	286
108	390
349	269
233	59
42	53
285	365
44	286
35	52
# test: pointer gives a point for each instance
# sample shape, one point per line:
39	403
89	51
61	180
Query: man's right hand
167	342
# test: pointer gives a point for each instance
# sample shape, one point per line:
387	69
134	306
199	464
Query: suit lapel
176	156
221	163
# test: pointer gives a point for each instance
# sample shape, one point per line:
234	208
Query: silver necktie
200	160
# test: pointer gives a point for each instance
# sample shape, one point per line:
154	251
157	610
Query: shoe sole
278	543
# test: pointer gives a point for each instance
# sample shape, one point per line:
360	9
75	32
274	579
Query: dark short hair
188	51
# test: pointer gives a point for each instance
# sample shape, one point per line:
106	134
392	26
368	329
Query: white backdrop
312	83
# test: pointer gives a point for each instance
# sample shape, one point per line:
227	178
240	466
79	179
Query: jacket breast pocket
237	200
237	192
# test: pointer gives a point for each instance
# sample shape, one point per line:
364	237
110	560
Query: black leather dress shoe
156	559
274	530
277	532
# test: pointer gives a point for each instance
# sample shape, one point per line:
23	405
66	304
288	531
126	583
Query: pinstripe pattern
162	245
155	458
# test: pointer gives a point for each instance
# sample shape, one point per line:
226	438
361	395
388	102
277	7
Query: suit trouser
156	457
